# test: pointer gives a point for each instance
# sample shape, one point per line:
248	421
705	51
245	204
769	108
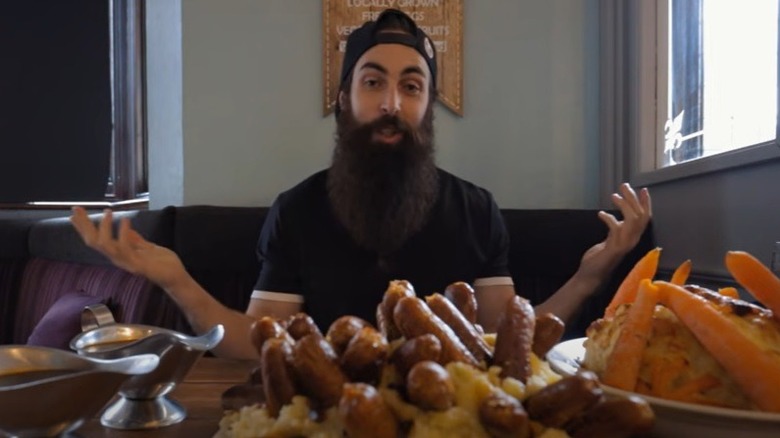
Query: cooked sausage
414	318
547	332
430	386
558	404
465	330
300	325
278	383
266	328
425	347
461	294
365	355
342	330
317	370
365	412
514	336
615	418
504	417
396	290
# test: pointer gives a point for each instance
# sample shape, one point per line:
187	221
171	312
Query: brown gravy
107	346
31	376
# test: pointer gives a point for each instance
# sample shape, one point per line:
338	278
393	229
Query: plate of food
425	370
707	361
675	418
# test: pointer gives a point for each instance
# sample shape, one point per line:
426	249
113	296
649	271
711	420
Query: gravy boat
50	392
144	402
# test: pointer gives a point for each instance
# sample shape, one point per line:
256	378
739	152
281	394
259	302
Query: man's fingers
610	220
646	202
105	228
629	195
83	225
130	238
623	205
123	236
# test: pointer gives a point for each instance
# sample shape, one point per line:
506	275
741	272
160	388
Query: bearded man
382	211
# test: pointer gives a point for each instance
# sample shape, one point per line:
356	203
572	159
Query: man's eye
412	88
371	83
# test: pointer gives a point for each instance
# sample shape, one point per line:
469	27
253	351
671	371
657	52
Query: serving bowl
144	402
48	392
678	419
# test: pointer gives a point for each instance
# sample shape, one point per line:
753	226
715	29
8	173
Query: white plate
678	419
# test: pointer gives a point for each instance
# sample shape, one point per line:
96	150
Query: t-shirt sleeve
276	252
497	250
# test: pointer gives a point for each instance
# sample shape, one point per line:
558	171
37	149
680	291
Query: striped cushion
45	281
10	276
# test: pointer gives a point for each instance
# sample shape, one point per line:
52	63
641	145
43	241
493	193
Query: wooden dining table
200	393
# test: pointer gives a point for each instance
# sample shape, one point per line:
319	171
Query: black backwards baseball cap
373	33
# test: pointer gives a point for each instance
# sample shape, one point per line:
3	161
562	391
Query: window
713	103
722	76
71	117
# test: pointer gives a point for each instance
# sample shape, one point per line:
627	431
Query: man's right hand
129	250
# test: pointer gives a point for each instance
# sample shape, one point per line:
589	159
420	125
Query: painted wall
250	83
235	98
702	217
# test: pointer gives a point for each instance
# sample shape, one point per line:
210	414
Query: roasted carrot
729	291
682	272
756	278
643	269
624	361
756	371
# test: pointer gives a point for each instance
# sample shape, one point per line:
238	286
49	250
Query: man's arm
600	260
203	312
491	302
596	265
160	265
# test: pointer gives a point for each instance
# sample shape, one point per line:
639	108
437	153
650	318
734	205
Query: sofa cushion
45	281
57	239
14	252
63	320
217	246
10	277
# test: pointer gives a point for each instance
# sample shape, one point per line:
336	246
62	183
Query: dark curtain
687	74
55	100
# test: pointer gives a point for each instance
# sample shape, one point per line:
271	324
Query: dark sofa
42	259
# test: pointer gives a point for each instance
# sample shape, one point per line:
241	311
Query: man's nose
392	103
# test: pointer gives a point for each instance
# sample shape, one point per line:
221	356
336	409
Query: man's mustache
388	121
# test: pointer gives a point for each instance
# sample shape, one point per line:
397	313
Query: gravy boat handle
130	365
206	341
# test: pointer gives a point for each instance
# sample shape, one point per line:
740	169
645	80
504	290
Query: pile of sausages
342	368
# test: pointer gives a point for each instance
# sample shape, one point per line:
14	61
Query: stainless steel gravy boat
50	392
143	401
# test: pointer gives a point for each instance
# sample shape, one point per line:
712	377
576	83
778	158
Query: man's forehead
393	58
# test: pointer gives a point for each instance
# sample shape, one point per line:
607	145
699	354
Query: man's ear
343	100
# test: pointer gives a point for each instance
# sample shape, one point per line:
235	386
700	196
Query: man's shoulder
453	186
314	186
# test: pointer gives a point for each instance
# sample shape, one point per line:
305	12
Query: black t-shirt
305	250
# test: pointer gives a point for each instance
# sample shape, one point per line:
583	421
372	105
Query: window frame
128	176
653	41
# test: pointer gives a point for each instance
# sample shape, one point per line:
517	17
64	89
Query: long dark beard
382	193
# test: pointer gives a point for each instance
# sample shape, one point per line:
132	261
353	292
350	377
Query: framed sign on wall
442	20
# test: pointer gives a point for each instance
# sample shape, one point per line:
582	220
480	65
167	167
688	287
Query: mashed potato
295	419
462	420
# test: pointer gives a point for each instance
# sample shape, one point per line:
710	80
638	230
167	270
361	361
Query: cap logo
428	47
